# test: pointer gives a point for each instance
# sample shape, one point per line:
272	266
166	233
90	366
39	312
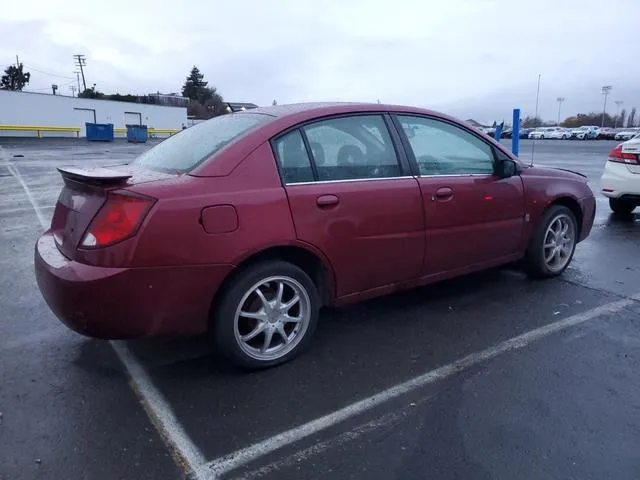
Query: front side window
184	151
444	149
356	147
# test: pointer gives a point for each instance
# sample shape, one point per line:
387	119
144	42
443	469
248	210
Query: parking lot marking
185	452
15	174
243	456
159	411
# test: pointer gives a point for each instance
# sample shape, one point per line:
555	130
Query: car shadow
379	313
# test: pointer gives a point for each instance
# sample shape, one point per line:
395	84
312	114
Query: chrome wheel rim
272	318
559	240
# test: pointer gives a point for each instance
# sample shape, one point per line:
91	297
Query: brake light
618	156
118	219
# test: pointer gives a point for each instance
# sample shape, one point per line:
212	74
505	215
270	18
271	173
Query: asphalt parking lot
491	376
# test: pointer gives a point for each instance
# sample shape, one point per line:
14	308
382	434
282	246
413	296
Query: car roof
287	116
319	109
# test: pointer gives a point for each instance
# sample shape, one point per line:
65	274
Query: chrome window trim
350	180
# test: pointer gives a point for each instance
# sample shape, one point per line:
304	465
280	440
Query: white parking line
243	456
184	451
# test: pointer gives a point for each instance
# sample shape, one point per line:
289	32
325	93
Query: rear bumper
112	303
617	181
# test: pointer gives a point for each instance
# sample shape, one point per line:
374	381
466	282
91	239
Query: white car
557	133
621	177
584	133
541	133
627	134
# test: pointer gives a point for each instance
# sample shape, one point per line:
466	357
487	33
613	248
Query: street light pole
618	103
559	100
605	91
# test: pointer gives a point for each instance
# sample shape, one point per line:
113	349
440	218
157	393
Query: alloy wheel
272	318
559	242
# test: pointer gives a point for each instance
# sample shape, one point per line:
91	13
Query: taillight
118	219
618	156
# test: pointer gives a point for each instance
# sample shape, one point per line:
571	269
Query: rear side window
295	166
187	149
354	147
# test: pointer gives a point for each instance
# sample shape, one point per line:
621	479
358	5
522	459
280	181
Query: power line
48	73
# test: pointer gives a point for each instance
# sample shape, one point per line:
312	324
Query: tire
621	206
228	326
536	261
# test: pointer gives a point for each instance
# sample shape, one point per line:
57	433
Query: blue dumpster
99	132
137	133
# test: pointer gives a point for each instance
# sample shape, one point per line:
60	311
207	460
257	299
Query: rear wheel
267	315
553	243
620	205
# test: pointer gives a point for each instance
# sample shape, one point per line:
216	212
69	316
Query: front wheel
267	315
620	205
553	243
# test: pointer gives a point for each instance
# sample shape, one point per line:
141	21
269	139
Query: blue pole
515	132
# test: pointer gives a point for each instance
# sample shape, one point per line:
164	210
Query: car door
352	197
472	217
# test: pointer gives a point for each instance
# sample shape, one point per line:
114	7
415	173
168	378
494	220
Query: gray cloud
468	57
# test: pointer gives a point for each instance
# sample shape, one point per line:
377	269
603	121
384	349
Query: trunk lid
84	192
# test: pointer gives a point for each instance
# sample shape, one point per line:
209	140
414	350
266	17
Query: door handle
327	201
442	194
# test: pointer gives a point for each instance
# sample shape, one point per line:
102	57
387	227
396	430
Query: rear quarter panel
174	235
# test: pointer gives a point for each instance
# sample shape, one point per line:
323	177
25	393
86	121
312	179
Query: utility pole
559	100
81	61
78	79
615	121
17	61
605	91
73	90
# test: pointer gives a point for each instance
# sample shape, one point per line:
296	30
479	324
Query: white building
43	110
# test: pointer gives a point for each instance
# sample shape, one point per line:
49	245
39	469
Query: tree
195	87
592	118
531	122
14	78
623	116
632	117
204	101
91	93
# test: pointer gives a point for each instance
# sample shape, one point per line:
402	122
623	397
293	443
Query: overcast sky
471	58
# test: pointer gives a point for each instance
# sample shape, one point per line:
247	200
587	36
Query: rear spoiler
98	175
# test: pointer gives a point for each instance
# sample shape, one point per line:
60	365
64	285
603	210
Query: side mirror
506	168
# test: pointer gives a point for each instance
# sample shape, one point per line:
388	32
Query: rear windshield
184	151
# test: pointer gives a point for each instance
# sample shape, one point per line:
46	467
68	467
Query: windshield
184	151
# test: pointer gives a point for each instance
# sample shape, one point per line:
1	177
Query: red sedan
247	224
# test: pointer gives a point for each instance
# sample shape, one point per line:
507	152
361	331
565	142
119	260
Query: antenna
533	143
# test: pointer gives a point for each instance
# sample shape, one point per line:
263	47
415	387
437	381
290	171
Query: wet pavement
564	406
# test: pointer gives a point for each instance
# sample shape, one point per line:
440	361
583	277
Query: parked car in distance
621	177
541	133
247	224
627	134
588	132
558	133
524	132
606	133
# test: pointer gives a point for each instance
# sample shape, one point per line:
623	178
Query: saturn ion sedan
247	224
